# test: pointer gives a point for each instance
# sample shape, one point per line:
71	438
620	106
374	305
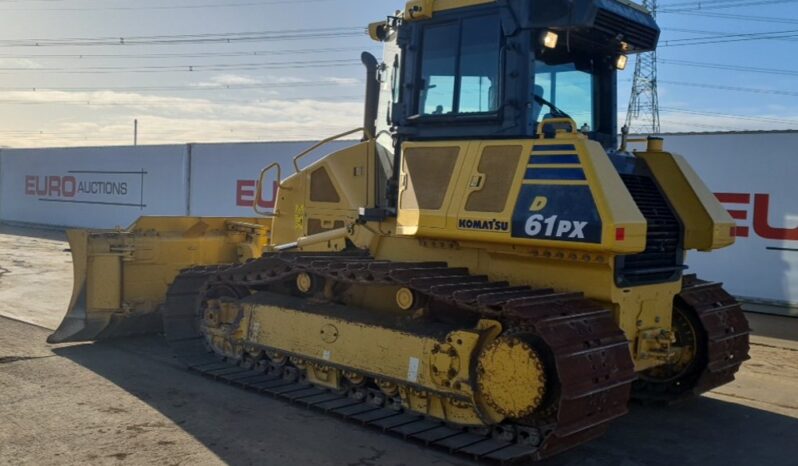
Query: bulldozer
489	270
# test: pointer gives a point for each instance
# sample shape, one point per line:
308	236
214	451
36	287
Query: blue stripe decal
552	159
560	148
555	174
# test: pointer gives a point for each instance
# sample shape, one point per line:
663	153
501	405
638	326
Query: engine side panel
553	193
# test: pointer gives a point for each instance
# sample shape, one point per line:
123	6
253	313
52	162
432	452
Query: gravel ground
130	401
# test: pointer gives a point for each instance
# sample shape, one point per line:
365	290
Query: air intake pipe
372	95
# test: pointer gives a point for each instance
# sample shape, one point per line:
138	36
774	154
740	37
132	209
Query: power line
762	19
694	3
169	7
717	33
191	68
168	131
734	88
730	116
730	88
719	66
701	3
178	36
179	135
161	131
728	35
191	88
722	5
92	102
724	38
190	39
691	125
253	53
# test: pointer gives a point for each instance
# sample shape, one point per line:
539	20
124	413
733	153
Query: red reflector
620	234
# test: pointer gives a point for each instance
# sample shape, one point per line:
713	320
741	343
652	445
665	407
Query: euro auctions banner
755	176
92	187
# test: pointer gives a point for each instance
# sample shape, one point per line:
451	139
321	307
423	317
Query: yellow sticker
299	219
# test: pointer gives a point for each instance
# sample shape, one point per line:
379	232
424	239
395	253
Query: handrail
555	121
324	142
259	188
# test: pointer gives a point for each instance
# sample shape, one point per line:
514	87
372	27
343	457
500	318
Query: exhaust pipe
372	95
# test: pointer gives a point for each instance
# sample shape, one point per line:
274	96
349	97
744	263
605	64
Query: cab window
460	67
568	88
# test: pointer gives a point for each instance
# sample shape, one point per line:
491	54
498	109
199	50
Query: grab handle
259	188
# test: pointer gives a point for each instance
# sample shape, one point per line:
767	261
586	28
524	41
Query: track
587	352
723	343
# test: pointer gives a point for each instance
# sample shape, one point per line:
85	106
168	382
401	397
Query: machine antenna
643	113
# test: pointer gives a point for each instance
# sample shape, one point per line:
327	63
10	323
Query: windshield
568	89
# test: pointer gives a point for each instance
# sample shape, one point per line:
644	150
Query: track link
589	353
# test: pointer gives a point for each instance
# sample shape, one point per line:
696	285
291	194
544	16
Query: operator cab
496	69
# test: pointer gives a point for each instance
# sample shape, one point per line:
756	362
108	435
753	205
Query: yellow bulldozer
489	271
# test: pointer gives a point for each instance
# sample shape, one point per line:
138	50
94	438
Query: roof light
621	62
550	39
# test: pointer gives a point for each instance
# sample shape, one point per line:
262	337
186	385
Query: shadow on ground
33	232
245	428
771	326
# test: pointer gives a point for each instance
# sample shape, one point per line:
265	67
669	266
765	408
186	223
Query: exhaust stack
372	95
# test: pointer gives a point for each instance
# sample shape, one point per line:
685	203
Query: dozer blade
121	277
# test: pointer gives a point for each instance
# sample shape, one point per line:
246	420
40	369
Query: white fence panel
223	176
92	187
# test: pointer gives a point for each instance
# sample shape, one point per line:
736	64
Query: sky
79	72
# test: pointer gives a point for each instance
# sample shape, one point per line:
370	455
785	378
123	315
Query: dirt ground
131	402
35	269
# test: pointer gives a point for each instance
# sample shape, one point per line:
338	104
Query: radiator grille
663	257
